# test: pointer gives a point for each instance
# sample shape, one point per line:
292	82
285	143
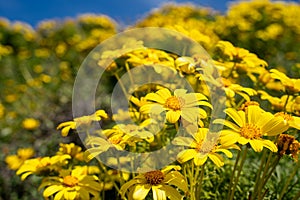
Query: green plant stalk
268	176
233	173
283	191
199	182
260	184
238	173
258	174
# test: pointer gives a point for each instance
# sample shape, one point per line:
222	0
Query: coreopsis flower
30	124
15	161
291	120
231	89
181	104
160	182
81	121
278	104
250	126
42	165
237	60
201	148
288	145
291	85
71	184
71	149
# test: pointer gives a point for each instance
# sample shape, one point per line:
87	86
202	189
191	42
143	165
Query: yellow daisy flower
291	120
30	124
291	85
181	104
71	149
15	161
71	184
201	148
159	181
250	126
81	121
42	165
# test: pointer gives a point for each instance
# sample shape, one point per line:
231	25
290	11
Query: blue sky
123	11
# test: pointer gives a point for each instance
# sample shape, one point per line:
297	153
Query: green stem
292	175
199	182
285	103
258	174
239	172
260	184
233	173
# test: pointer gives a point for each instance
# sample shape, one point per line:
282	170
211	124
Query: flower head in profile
15	161
81	121
71	149
42	165
250	126
291	85
162	183
181	104
201	148
71	184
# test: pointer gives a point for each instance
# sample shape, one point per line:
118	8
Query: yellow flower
2	110
292	121
181	104
250	126
71	184
237	60
81	121
42	165
231	89
15	161
30	124
201	148
291	85
71	149
159	181
278	104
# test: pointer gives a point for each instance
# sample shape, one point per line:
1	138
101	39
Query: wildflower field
187	103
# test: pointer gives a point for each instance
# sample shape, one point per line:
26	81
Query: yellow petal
51	190
200	159
235	116
186	155
257	145
217	159
173	116
141	191
158	194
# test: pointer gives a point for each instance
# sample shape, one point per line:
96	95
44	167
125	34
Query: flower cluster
254	92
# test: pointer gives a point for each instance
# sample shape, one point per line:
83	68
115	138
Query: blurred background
43	43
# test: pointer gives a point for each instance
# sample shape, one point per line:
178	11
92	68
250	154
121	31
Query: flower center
70	181
115	140
154	177
285	116
174	103
205	146
251	131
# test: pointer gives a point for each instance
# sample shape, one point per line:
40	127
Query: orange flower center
70	181
251	131
284	115
174	103
154	177
115	140
205	146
